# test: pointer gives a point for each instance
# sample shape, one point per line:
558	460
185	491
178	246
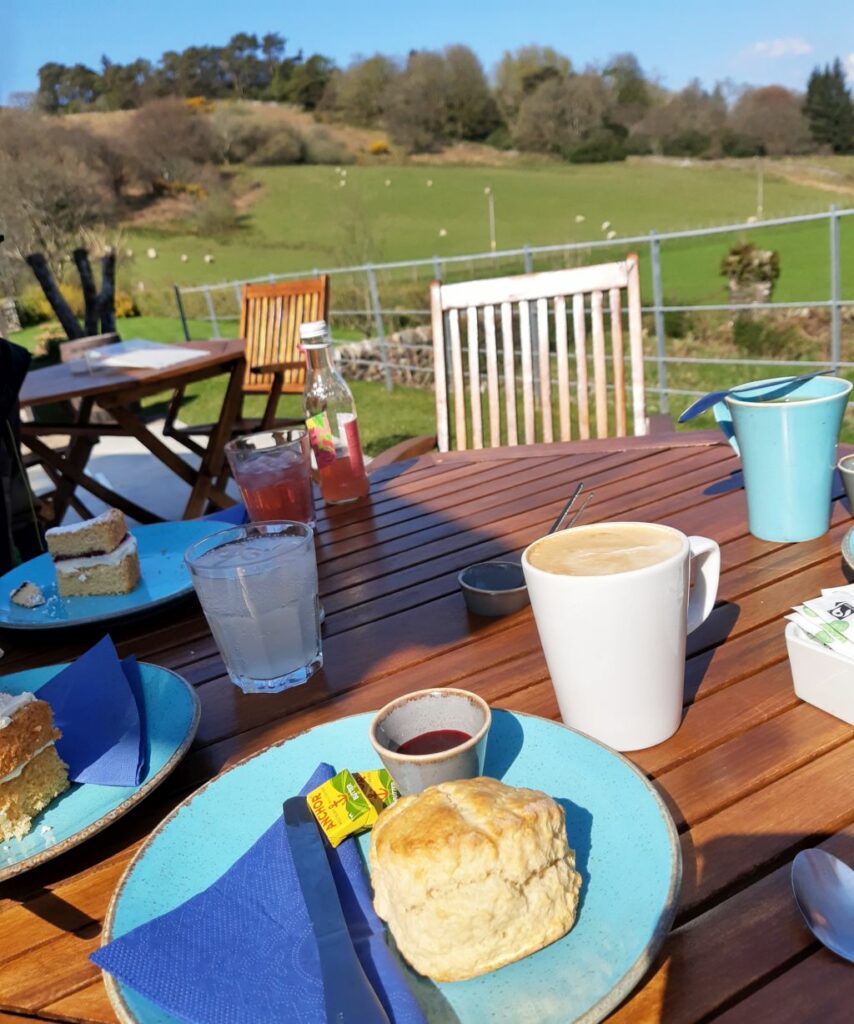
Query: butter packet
350	802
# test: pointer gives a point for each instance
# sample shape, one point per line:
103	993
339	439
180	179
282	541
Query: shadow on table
704	642
733	482
752	914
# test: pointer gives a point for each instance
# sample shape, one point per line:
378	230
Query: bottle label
349	426
321	439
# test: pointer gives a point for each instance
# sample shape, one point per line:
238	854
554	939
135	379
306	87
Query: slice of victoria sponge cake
31	772
97	556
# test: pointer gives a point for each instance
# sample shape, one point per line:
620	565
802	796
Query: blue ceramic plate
626	845
172	712
164	578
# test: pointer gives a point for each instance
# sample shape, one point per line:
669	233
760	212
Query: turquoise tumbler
786	438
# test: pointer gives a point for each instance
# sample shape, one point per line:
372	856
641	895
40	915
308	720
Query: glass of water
257	585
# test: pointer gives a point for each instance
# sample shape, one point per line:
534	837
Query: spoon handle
713	397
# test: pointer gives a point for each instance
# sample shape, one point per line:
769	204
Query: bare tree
561	113
518	74
773	116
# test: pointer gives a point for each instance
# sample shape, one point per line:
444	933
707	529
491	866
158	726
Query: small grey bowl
846	471
494	588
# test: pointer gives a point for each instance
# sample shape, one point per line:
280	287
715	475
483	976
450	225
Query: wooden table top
752	776
58	384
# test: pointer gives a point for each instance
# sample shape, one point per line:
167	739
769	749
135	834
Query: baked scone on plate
472	875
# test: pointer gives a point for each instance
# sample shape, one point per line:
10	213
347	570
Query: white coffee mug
615	644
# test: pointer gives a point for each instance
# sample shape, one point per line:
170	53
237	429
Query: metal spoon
824	891
713	397
564	512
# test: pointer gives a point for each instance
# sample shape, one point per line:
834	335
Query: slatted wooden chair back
537	336
270	319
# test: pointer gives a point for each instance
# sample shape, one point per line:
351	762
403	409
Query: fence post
437	268
378	324
180	301
212	313
529	262
658	314
835	325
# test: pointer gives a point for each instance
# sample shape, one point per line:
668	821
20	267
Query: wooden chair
530	313
270	319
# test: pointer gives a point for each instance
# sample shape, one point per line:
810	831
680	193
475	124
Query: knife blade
348	995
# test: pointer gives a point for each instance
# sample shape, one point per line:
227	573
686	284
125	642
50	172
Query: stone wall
410	356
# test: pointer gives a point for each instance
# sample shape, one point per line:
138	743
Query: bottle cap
315	331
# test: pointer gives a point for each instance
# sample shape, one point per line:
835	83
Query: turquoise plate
172	712
626	844
164	578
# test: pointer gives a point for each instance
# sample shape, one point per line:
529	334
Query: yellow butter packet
341	807
382	784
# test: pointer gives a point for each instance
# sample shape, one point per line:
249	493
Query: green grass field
303	219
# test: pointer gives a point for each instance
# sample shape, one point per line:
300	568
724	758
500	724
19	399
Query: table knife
349	996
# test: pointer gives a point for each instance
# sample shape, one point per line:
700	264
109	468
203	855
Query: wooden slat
544	359
509	372
615	305
579	333
460	430
440	380
600	380
492	377
633	296
819	989
562	368
527	371
474	377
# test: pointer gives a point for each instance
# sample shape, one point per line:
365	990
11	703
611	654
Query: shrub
638	145
500	138
321	149
602	147
745	264
739	145
755	337
285	147
677	323
688	143
199	104
33	307
379	147
215	215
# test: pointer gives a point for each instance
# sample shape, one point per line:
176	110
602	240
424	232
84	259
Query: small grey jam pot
846	471
494	588
427	711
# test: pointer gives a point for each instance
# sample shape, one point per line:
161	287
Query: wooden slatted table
752	776
118	393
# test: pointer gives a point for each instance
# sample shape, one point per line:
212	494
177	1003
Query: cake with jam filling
32	773
96	556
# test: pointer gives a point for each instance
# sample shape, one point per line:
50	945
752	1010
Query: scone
472	875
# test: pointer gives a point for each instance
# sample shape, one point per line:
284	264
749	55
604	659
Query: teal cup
786	438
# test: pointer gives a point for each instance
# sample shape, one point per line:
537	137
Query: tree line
536	100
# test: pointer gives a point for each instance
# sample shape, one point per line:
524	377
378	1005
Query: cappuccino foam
605	549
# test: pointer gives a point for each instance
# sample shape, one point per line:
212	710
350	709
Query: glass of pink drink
272	471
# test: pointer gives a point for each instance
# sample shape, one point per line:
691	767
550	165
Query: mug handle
724	420
706	558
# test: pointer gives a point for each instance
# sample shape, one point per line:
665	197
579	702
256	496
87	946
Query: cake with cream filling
31	771
97	556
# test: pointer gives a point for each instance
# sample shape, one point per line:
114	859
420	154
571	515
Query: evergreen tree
829	109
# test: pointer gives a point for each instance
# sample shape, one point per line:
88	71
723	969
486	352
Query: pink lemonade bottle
330	416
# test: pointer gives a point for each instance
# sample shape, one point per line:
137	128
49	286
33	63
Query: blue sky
756	41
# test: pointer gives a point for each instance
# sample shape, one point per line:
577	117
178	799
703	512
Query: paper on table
153	358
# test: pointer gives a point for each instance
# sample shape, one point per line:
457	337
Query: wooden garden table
752	776
118	393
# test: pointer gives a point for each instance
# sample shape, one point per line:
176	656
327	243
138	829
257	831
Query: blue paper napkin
98	705
244	949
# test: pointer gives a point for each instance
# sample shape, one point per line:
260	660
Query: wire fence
382	299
